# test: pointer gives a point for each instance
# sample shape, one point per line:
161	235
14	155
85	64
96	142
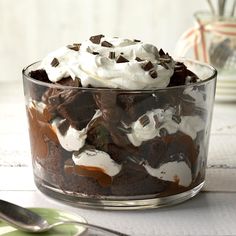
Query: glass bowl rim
25	73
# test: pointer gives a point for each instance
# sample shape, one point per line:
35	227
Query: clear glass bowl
120	149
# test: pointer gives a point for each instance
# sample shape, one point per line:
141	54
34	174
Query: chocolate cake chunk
77	107
36	91
107	103
133	180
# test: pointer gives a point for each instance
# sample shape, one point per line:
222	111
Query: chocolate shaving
121	59
161	52
63	126
106	44
96	38
147	66
176	118
112	55
75	46
163	132
137	40
153	73
95	53
144	120
138	59
55	62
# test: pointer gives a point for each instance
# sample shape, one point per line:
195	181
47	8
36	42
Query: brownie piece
133	180
36	91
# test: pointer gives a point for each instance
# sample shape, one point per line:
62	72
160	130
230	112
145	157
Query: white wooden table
212	212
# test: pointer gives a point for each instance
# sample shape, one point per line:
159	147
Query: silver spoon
29	221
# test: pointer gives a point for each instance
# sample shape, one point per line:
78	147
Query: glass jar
120	149
212	40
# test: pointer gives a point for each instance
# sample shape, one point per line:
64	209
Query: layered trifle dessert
118	119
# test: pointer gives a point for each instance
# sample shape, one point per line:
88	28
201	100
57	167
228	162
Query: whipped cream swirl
111	63
151	124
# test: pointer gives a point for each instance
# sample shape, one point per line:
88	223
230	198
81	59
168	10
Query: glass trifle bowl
100	145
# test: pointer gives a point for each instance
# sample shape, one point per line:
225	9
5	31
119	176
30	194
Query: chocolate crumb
176	118
96	38
112	55
138	59
55	62
147	66
137	40
144	120
95	53
75	46
121	59
106	44
153	73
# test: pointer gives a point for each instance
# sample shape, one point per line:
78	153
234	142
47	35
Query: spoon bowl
26	220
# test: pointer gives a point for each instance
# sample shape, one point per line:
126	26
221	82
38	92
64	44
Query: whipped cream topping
172	171
151	124
197	95
73	139
98	159
98	65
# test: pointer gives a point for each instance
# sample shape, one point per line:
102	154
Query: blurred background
29	29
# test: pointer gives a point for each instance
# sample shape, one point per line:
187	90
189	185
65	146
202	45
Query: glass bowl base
115	202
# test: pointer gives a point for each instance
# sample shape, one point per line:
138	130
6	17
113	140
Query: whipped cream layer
111	63
175	171
153	122
98	159
73	139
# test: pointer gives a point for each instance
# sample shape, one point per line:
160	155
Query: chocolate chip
121	59
176	118
153	73
147	66
63	126
137	40
112	55
138	59
95	53
144	120
161	52
55	62
106	44
75	46
96	38
163	132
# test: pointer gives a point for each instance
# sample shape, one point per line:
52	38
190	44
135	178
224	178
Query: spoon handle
91	226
